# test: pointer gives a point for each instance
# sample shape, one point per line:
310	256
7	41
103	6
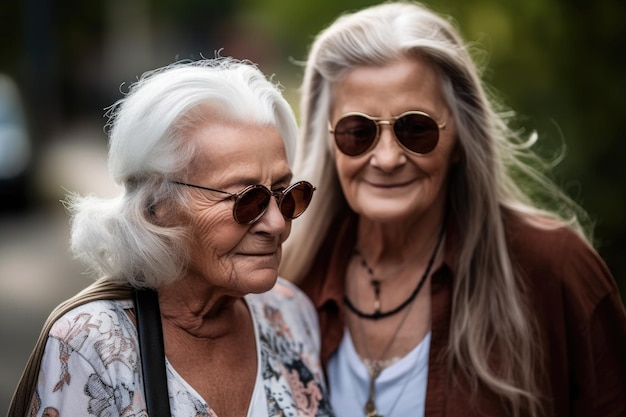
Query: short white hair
149	147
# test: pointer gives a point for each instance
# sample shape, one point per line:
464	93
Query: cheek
447	154
435	169
287	232
215	234
347	168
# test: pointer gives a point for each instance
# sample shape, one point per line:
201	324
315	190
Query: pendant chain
376	366
378	314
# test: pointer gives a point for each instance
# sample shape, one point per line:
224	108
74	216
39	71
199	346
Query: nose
388	154
272	221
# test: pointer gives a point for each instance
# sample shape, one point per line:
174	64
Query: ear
160	213
150	212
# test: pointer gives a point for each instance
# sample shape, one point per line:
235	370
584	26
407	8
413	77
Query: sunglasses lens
355	134
417	132
296	199
251	204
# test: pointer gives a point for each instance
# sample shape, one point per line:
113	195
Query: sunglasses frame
389	121
278	195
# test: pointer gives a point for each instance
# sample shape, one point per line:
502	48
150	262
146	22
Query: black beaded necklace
378	314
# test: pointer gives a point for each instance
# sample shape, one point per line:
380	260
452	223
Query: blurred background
560	64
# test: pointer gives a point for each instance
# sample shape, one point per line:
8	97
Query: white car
15	148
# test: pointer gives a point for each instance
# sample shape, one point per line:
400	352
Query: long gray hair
149	147
488	313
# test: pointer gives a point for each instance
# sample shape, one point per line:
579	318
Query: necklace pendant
378	313
370	409
370	405
374	369
376	284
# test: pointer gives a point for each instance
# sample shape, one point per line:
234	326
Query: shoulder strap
152	352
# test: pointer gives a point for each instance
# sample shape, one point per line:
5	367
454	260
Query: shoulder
92	323
285	305
544	244
553	249
285	297
288	340
94	311
285	294
91	357
557	262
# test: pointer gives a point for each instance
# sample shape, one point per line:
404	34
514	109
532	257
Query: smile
261	254
393	185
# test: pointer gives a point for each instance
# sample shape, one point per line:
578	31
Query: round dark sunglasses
358	133
252	201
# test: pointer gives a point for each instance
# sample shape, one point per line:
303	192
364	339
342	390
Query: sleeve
291	340
67	385
598	344
305	328
607	332
89	366
309	316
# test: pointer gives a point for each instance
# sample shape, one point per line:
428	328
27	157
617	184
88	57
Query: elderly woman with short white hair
203	151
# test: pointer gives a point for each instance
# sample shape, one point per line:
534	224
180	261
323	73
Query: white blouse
91	366
400	388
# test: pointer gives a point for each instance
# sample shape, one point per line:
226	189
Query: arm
68	385
600	376
598	338
89	365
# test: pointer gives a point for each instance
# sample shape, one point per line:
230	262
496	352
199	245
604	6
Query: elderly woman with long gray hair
444	283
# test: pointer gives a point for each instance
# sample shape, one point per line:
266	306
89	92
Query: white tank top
400	388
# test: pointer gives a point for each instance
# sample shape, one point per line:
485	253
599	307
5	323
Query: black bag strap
152	352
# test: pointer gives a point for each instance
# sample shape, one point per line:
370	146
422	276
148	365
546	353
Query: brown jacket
578	306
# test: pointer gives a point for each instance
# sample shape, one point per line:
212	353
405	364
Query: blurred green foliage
560	64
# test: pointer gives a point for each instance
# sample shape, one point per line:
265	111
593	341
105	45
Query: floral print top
91	365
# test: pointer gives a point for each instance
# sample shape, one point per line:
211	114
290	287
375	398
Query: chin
262	280
383	209
385	215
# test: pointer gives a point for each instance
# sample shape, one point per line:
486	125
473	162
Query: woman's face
389	184
236	257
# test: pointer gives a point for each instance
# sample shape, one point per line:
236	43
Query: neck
376	283
385	246
200	310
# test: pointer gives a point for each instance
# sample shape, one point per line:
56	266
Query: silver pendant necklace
375	367
370	405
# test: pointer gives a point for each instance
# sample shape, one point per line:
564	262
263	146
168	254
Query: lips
268	252
391	185
261	254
